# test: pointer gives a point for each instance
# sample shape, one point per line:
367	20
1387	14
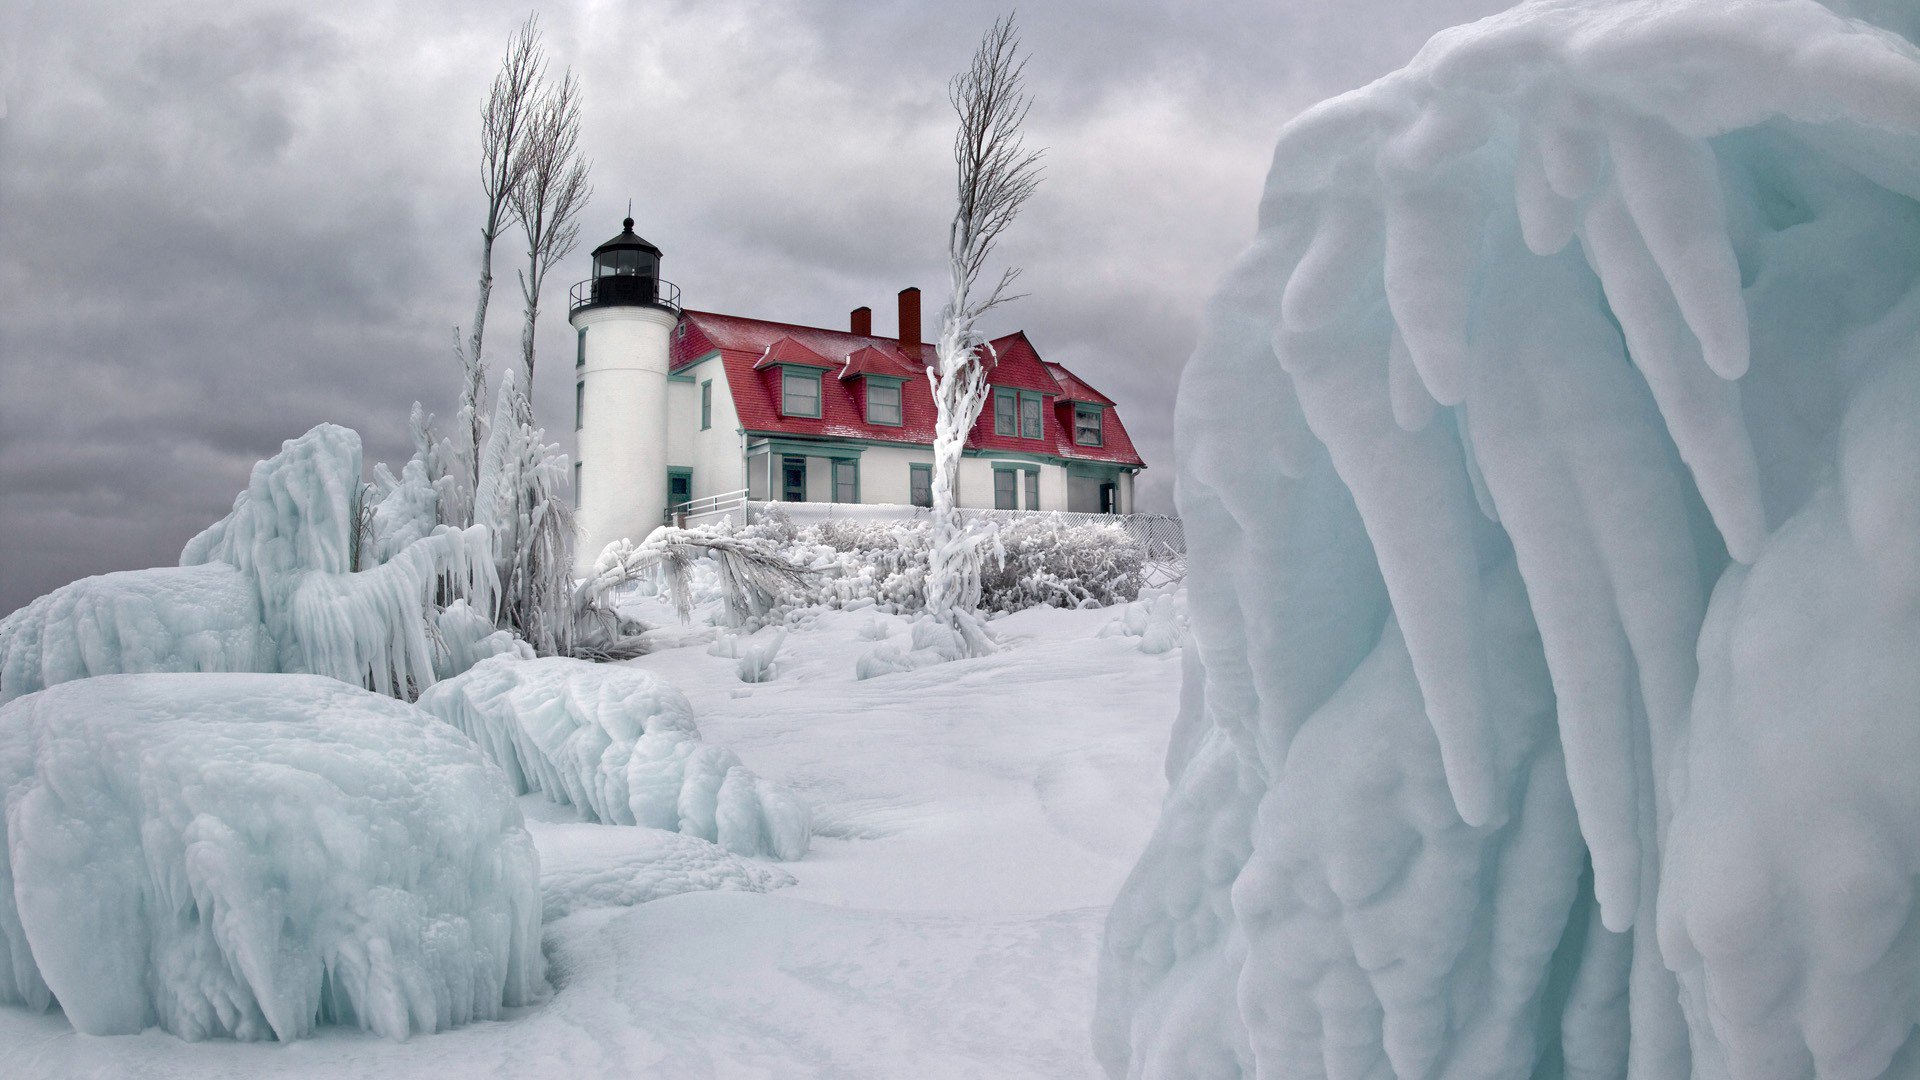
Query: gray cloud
221	223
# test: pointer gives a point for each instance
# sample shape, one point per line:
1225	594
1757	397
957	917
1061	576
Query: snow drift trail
1552	473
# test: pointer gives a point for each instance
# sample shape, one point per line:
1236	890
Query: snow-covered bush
254	855
619	744
292	580
1026	562
1550	466
1157	621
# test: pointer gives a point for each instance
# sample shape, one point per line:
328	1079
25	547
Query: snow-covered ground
972	822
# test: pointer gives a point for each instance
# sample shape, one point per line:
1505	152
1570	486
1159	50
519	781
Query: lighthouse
623	315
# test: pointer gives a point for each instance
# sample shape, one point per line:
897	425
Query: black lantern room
626	271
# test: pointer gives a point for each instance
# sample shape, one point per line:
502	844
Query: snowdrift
288	582
598	867
621	745
253	855
1551	474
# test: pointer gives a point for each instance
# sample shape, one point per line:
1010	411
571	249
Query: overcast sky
223	222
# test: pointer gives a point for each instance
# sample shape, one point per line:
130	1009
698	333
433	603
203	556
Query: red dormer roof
873	360
753	349
785	350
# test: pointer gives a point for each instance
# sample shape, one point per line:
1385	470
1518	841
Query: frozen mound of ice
621	745
254	855
194	618
593	866
1551	468
281	584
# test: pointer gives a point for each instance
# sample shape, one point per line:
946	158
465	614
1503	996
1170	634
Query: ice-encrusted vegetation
292	580
251	855
619	744
1549	468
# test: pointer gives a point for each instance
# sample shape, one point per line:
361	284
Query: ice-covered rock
619	744
1565	403
281	584
253	855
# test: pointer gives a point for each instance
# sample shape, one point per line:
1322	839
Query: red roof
752	349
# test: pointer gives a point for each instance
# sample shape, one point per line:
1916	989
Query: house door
793	479
679	488
1109	499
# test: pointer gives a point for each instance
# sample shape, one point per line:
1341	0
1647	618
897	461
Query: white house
674	405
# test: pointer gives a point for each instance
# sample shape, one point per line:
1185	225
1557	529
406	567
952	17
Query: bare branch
551	191
503	127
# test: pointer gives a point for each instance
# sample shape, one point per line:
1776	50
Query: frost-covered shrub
619	744
253	855
1028	561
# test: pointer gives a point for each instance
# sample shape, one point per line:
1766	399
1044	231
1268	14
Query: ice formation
621	745
1550	465
287	582
251	855
598	867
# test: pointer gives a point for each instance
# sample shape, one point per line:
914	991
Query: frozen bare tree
996	174
547	200
503	128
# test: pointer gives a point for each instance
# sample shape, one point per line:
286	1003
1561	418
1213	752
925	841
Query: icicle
1346	245
1702	412
1432	244
1671	187
1413	407
1547	220
1413	494
1573	159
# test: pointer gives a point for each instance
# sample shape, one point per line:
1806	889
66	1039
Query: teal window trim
1030	493
789	371
1013	408
1033	407
580	349
676	471
706	405
1098	414
884	382
1006	411
845	474
576	484
579	404
1006	488
915	471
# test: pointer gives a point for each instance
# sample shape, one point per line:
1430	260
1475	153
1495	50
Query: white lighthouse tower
623	314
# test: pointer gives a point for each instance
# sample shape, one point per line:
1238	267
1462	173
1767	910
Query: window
799	392
1006	408
576	486
579	404
1086	425
580	350
1029	415
1017	412
1033	489
846	481
1006	487
706	405
793	479
883	402
920	485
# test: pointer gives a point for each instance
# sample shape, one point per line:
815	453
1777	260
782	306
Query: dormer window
1087	426
800	392
1017	413
883	401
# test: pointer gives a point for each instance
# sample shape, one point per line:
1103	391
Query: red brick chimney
910	323
863	321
